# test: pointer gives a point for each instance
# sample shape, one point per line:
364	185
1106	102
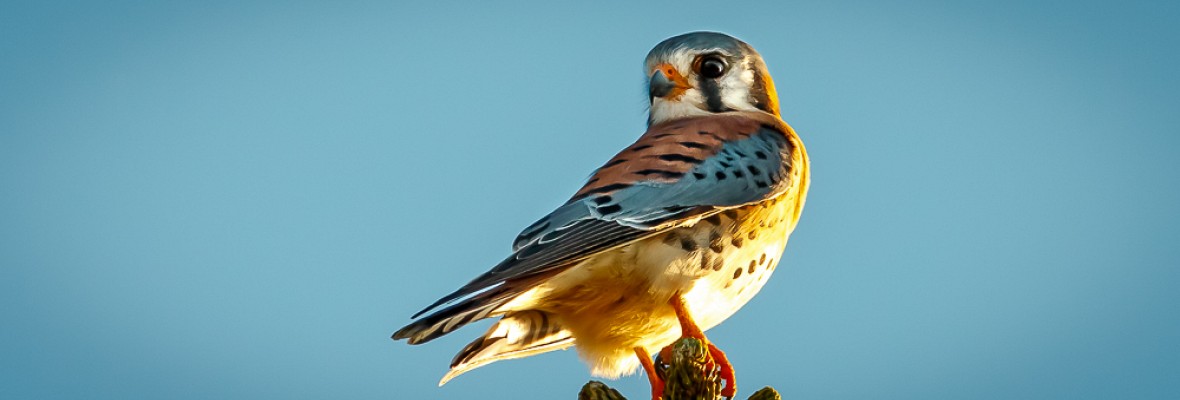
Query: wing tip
407	332
480	285
444	300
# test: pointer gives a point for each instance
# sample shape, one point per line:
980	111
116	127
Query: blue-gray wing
669	178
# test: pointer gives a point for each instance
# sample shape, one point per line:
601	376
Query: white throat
666	110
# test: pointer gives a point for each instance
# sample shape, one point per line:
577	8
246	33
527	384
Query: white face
732	87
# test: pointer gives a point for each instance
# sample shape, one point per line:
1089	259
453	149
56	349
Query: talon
689	328
666	353
722	362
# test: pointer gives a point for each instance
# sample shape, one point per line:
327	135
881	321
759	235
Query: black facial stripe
712	93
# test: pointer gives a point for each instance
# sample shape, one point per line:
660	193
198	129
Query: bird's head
702	73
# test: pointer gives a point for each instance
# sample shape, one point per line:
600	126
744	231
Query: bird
668	238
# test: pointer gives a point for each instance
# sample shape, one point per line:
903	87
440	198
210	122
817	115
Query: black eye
712	67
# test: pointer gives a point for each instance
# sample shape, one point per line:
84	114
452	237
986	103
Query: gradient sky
242	200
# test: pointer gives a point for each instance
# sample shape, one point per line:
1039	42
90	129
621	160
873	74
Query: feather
519	334
625	201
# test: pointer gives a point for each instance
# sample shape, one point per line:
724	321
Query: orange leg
657	384
689	328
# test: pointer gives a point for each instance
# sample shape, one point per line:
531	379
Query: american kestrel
668	238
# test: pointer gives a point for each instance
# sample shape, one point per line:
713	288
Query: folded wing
675	174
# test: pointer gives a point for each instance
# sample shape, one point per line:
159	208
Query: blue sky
244	199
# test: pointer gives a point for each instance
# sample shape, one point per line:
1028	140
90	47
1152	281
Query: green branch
689	375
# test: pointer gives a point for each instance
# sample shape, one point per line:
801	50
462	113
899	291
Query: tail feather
518	334
446	320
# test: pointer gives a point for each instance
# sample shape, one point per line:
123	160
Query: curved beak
665	82
660	85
